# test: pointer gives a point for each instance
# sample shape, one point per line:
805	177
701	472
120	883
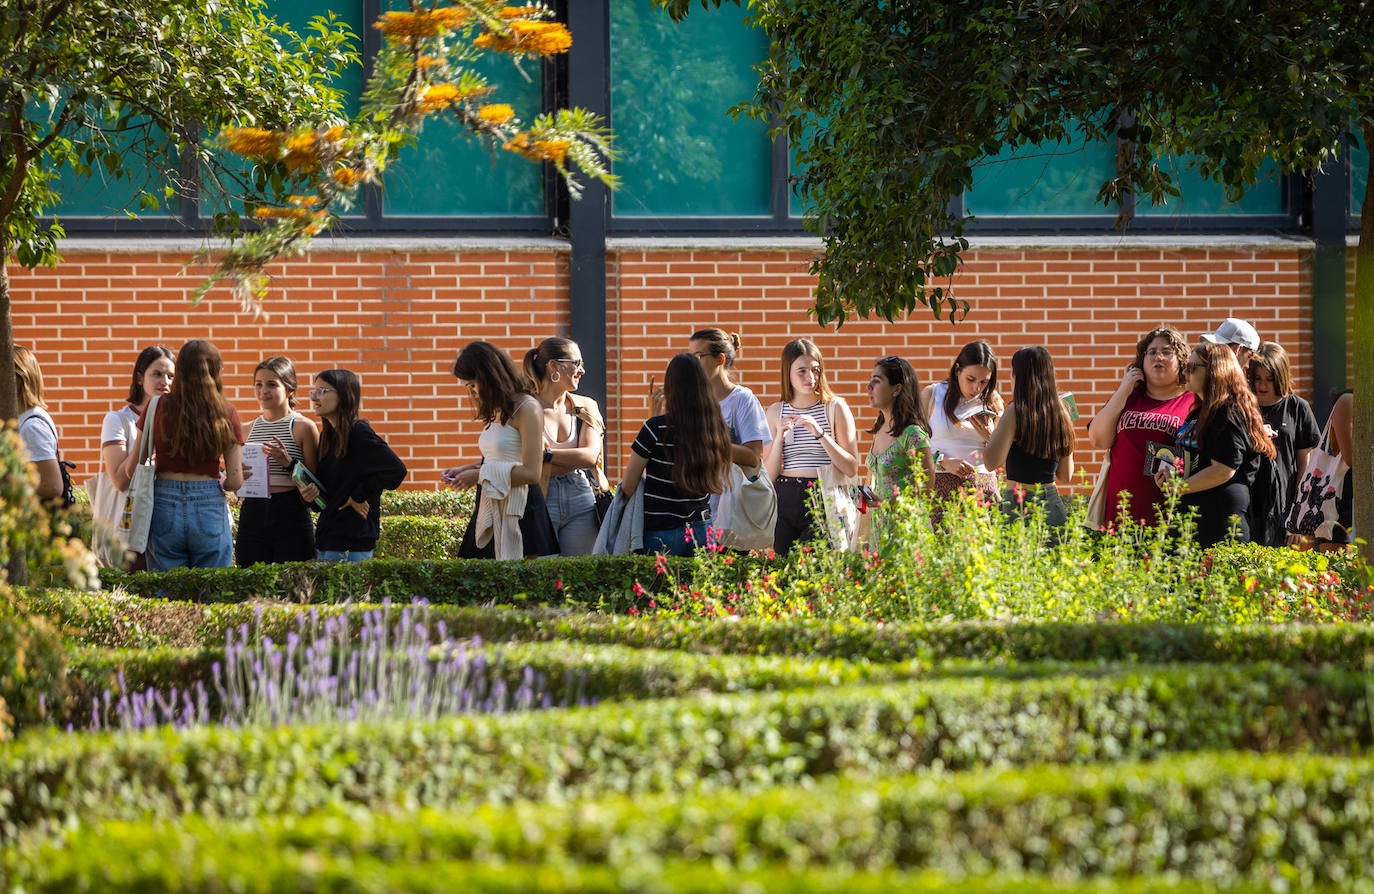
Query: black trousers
277	529
796	521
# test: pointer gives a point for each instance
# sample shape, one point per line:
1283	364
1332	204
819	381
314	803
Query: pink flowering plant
981	562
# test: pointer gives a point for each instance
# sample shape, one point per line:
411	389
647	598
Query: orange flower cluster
400	26
253	143
537	38
345	177
555	150
303	151
281	213
497	113
437	97
426	62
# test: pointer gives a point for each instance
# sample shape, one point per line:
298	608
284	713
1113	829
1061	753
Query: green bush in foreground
705	742
1217	818
172	866
121	621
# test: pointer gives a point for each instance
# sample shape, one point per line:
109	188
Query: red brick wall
397	317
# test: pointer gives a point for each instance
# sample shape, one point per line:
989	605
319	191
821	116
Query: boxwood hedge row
122	621
167	865
716	742
1290	821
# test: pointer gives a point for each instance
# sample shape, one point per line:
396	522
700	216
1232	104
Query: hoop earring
555	377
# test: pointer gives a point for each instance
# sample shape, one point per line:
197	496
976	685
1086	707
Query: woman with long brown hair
510	519
901	433
812	428
1034	438
1222	441
962	411
683	456
195	430
354	466
1295	432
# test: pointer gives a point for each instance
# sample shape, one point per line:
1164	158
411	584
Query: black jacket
368	468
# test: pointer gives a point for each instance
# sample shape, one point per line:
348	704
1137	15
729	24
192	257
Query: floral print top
896	466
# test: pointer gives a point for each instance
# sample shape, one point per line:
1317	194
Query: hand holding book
304	479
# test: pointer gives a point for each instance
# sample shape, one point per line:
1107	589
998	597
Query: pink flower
639	590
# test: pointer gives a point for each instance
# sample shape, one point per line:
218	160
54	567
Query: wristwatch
548	455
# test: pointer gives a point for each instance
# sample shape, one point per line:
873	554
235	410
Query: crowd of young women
1218	423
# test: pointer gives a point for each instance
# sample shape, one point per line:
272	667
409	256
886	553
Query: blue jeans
674	542
190	526
572	510
345	555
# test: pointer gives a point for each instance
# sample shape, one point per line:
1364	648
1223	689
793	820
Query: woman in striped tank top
811	428
278	528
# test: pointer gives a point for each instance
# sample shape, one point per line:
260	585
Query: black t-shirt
1276	481
665	507
1226	443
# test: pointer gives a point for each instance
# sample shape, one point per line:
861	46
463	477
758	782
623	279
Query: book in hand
303	476
1157	456
1070	405
969	408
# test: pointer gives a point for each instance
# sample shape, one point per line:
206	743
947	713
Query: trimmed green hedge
122	621
706	742
190	861
1292	822
602	581
436	503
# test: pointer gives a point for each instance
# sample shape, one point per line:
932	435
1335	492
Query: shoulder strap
145	441
55	438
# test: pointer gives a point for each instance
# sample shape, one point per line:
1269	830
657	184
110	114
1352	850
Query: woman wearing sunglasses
574	438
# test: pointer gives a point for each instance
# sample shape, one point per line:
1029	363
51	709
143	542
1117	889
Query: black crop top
1026	469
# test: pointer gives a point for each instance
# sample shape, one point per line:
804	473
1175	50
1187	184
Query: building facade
703	232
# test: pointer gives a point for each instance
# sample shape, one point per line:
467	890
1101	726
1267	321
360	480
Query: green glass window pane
1060	178
449	173
671	84
1201	196
1359	177
100	194
296	15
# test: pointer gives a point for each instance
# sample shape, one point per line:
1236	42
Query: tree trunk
1363	341
9	396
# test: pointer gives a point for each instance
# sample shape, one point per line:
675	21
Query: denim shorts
190	526
344	555
572	510
675	541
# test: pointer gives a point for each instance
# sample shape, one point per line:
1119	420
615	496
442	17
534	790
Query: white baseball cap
1233	331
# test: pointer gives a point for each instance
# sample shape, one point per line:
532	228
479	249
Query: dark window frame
1296	219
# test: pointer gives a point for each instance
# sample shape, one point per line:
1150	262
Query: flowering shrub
976	563
397	665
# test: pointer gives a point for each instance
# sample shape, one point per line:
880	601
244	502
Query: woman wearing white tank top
811	427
